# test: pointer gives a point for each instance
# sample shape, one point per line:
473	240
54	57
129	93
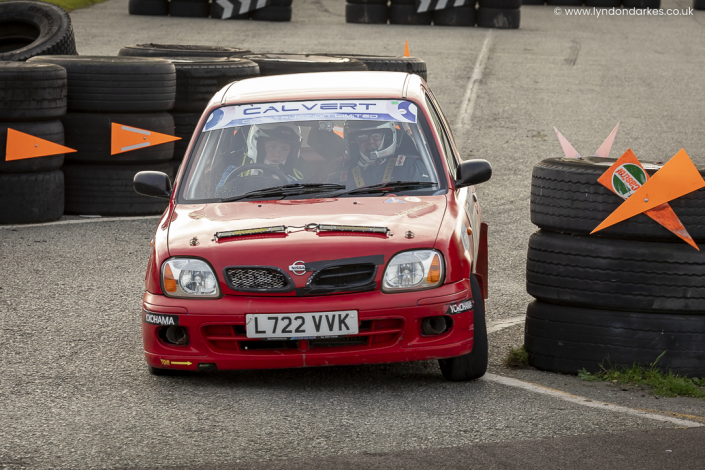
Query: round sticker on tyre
627	178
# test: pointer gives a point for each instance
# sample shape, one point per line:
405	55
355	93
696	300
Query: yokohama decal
159	319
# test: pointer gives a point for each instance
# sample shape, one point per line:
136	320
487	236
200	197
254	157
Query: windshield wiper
387	187
287	190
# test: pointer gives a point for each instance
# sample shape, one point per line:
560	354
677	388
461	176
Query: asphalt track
74	390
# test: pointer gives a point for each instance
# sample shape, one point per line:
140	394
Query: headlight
413	270
184	277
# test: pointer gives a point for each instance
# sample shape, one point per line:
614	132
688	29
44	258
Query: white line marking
468	104
423	6
136	146
227	8
498	325
586	401
82	221
134	129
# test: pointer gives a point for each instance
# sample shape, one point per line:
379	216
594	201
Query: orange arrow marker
626	176
677	178
21	146
126	138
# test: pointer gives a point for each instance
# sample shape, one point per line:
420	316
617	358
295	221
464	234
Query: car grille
257	279
232	339
351	275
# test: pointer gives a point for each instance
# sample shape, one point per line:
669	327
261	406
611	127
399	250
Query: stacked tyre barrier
277	10
200	72
699	4
203	70
133	92
653	4
623	297
32	100
504	14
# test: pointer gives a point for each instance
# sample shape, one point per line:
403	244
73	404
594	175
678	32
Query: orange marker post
677	178
406	48
126	138
20	146
626	176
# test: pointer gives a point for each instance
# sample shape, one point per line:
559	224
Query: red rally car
319	219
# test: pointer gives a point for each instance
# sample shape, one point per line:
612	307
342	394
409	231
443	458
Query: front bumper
389	324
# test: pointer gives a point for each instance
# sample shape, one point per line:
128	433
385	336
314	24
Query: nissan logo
298	268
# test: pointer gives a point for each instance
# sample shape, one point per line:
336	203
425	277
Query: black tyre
567	3
503	4
474	364
32	91
406	14
278	64
199	78
184	127
497	18
458	16
699	4
107	190
31	28
368	2
603	3
566	197
30	198
175	164
287	3
653	4
149	7
121	84
381	63
568	339
366	13
53	131
272	13
189	8
90	135
590	271
179	50
403	2
532	2
217	11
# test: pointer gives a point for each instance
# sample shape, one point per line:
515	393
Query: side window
447	149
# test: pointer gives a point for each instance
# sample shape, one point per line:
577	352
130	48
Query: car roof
324	85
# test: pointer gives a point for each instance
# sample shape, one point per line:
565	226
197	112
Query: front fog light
413	270
184	277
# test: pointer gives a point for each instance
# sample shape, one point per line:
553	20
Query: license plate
297	325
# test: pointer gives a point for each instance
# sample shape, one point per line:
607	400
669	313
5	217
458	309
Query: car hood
413	222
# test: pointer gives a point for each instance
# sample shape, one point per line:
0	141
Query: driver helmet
386	131
281	131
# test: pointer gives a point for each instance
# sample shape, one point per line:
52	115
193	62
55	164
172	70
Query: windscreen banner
328	110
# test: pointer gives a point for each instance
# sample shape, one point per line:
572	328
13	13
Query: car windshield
307	149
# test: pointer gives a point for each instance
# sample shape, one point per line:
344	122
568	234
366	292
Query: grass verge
661	383
69	5
517	358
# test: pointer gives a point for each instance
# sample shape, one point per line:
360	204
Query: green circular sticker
627	178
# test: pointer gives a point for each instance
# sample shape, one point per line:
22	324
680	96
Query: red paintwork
437	222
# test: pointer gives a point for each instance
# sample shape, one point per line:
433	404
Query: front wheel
474	364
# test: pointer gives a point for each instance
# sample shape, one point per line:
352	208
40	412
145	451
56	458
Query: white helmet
391	138
281	131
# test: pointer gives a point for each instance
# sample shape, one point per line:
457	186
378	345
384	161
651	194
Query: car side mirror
472	172
152	183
